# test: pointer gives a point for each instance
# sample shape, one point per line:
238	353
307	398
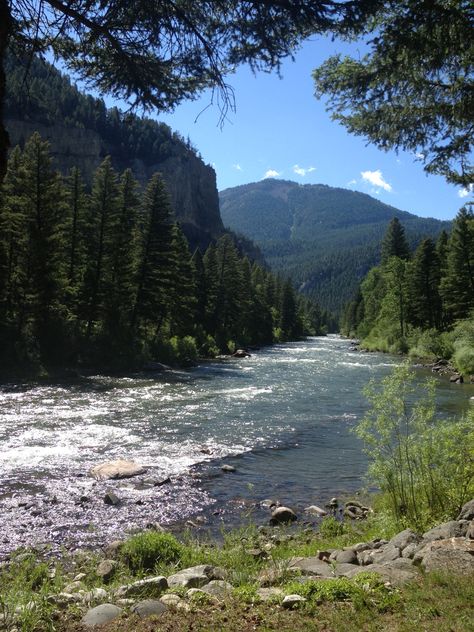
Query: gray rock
470	531
404	538
455	555
101	614
74	587
293	601
149	608
451	529
311	566
111	498
395	576
387	553
116	469
106	569
314	510
96	594
194	577
268	594
410	550
346	556
467	511
171	600
341	569
365	557
361	546
150	587
228	468
112	549
282	515
218	588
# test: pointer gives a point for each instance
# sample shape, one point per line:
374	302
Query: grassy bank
31	587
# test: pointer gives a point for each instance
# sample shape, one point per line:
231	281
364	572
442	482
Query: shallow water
282	417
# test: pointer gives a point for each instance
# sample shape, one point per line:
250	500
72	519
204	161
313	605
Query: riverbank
347	575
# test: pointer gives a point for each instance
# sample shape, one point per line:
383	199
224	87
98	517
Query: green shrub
463	356
330	527
430	344
143	552
423	466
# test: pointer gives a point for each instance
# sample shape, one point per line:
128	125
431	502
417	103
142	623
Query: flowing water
282	417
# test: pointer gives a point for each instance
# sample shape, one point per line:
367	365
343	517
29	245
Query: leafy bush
423	466
430	344
464	346
143	552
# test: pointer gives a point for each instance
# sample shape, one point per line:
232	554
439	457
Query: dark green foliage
326	239
106	279
146	550
394	243
424	306
413	89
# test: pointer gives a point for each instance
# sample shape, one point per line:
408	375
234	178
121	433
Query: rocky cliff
82	131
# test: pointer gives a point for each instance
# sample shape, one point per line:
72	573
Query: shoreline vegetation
412	555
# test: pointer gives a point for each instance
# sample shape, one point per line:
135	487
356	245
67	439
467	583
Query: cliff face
82	132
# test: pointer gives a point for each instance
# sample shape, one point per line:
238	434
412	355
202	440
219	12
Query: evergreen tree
288	312
457	285
394	243
155	269
200	285
424	302
77	208
102	223
183	296
394	304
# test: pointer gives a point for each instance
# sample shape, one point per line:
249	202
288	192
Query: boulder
455	555
404	538
293	601
96	594
195	577
470	531
310	566
456	378
467	511
346	556
395	576
101	614
218	588
149	608
150	587
106	569
268	594
241	353
451	529
111	498
228	468
116	469
314	510
282	515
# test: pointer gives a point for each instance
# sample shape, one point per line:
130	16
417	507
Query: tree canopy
413	90
155	54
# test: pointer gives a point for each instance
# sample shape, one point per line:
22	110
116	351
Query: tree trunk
5	29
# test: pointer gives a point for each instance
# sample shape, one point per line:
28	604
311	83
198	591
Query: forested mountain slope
326	238
82	131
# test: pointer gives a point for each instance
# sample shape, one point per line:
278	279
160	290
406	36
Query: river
282	418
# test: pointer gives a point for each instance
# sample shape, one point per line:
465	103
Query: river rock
455	555
116	469
106	569
195	577
451	529
467	511
228	468
101	614
241	353
150	587
470	531
111	498
310	566
404	538
314	510
96	594
346	556
396	576
74	587
282	515
149	608
293	601
218	588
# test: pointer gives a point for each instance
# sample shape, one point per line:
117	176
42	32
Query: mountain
82	131
325	238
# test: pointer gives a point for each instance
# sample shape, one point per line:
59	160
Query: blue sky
280	130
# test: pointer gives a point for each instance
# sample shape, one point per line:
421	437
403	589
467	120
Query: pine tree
183	294
394	243
77	209
200	284
102	224
288	311
155	269
457	285
424	302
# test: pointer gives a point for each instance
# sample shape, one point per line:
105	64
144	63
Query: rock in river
116	469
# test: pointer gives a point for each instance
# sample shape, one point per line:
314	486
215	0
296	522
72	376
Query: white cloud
466	191
302	171
352	182
376	178
237	167
419	155
271	173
